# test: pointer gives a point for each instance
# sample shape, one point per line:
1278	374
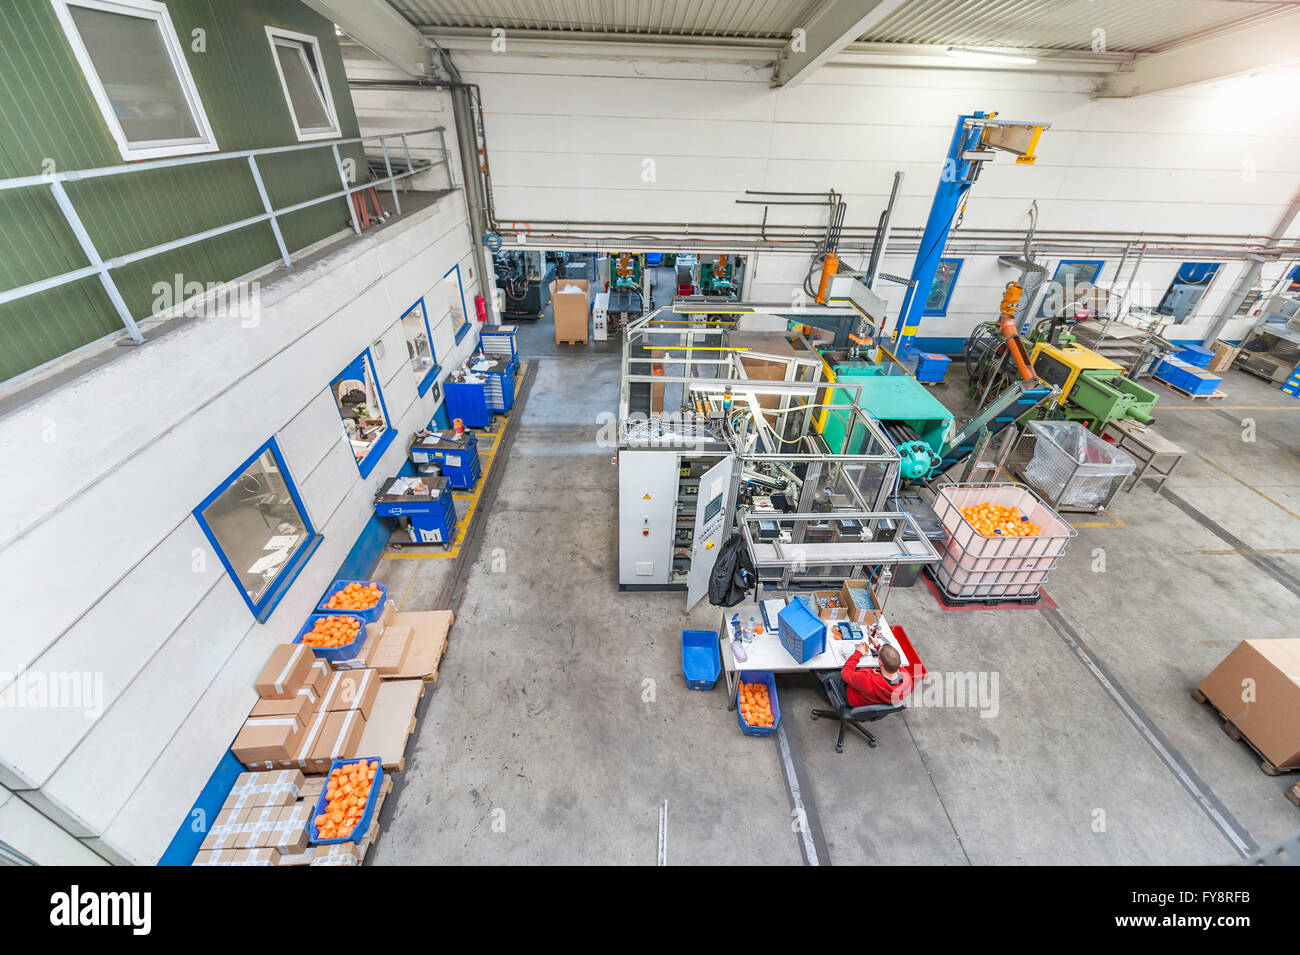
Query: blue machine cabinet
457	457
468	401
423	518
501	341
500	385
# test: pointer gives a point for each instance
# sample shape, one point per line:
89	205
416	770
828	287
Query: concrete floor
560	723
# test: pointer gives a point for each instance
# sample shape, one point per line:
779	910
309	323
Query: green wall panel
47	113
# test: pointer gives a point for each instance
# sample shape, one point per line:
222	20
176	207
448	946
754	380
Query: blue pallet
802	632
371	615
335	654
701	661
760	676
363	824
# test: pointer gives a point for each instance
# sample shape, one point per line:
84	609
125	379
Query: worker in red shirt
886	683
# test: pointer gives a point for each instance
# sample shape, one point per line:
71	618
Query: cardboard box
238	857
318	681
267	740
300	708
1257	687
572	311
1224	355
285	672
389	655
252	786
428	641
839	612
864	613
339	853
353	690
340	737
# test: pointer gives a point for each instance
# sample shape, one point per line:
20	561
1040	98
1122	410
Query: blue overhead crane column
954	182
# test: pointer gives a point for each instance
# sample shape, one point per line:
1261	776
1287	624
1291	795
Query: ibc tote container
975	567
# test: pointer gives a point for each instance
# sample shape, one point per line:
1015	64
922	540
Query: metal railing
102	268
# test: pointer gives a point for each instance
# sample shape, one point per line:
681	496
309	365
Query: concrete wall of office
103	568
581	139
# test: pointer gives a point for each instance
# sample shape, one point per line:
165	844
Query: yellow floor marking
487	455
1245	484
1164	408
1233	553
1116	523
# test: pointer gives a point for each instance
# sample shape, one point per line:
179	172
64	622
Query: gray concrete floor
560	723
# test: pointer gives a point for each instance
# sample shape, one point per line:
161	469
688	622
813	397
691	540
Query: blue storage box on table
501	341
1196	355
455	455
701	660
429	516
370	614
336	654
802	632
363	824
931	367
467	400
760	676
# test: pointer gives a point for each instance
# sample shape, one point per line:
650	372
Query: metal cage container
1072	468
975	567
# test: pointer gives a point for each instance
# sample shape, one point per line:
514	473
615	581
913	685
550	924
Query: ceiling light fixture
990	55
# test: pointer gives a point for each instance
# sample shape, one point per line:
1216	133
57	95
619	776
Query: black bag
733	574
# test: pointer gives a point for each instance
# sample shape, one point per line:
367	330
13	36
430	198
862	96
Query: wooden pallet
369	838
1293	795
1233	732
1191	397
571	341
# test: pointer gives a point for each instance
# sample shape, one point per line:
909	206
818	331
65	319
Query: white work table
767	653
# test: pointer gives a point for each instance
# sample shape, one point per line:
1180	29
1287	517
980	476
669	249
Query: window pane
455	303
257	524
303	90
358	403
137	72
944	277
418	348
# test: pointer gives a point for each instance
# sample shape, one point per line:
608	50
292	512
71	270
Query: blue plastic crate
931	367
802	632
334	654
363	824
1202	383
701	660
1196	355
371	615
760	676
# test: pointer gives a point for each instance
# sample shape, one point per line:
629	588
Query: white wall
103	567
568	138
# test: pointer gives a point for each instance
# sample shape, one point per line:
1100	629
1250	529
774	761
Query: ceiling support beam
379	28
833	27
1269	43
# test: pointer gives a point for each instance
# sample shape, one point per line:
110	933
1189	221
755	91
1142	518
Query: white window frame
144	10
293	39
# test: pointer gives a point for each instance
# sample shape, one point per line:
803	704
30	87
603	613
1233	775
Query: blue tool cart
500	384
455	456
425	514
467	400
501	342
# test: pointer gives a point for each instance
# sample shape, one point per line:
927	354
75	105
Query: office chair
855	716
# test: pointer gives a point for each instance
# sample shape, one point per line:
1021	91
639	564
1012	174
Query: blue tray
701	660
334	654
371	615
363	824
759	676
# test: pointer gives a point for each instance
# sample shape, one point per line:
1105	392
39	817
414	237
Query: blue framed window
1066	284
257	524
1191	282
455	289
419	346
361	406
945	279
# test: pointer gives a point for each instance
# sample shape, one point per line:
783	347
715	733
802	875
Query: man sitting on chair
887	683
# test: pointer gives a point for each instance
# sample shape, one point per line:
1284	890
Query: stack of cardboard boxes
309	713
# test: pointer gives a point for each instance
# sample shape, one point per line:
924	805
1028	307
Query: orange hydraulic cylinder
829	268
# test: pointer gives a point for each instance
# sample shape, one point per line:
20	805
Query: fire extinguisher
480	306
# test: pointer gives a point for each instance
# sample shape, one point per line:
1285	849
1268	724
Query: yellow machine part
1076	358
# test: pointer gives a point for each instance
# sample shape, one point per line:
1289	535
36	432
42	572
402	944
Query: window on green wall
135	66
302	78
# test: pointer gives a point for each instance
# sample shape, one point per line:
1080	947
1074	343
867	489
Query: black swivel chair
836	694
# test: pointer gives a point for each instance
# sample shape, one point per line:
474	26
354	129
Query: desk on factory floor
1146	445
767	653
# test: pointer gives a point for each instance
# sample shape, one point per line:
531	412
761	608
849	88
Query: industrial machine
626	289
524	277
717	277
1093	389
454	456
600	316
719	429
421	508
